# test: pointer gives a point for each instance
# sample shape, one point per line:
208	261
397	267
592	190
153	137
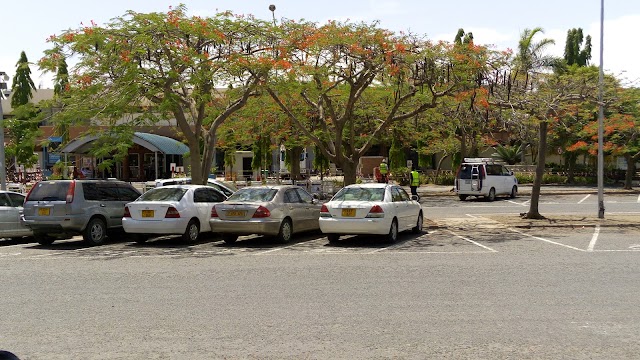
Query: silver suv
72	207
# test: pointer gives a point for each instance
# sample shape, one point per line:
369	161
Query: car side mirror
414	197
511	172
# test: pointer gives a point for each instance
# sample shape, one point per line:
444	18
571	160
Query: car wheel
139	238
419	223
229	238
514	192
392	236
333	238
492	195
95	232
43	239
192	232
462	197
284	236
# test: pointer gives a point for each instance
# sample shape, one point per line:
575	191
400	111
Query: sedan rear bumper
355	226
247	227
164	226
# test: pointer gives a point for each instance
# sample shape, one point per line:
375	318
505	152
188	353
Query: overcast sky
26	24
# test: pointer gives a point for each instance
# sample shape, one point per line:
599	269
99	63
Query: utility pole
601	120
3	171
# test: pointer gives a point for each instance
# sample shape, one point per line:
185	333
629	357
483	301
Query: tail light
376	212
172	213
324	211
70	191
30	190
127	213
262	212
214	212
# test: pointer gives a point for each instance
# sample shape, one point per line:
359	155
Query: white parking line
584	198
517	203
594	238
471	241
639	198
273	250
545	240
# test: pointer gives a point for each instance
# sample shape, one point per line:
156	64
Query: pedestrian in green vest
415	182
384	170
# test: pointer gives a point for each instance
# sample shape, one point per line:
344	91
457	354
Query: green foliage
509	154
22	83
572	52
397	157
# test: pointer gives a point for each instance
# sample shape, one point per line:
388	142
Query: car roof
275	187
370	185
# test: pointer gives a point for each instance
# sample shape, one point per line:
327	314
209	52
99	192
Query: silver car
11	223
280	211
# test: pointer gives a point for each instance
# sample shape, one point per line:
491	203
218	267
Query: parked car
171	210
482	177
77	207
373	208
226	187
280	211
11	223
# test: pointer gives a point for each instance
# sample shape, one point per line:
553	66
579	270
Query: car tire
492	194
514	192
462	197
229	238
286	230
333	238
43	239
419	223
95	232
139	238
392	236
192	232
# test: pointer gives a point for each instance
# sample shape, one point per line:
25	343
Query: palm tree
509	154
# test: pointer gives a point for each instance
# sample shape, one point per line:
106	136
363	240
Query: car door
204	199
11	224
296	209
400	206
311	210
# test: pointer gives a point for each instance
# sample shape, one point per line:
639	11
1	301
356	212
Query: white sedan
171	210
376	209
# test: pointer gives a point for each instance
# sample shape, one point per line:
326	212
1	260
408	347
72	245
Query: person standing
384	171
415	182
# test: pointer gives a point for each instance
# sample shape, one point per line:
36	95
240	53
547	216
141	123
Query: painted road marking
471	241
594	238
545	240
584	198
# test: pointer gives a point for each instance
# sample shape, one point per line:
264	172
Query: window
128	193
395	194
403	194
100	191
305	196
494	169
4	200
291	196
207	195
17	200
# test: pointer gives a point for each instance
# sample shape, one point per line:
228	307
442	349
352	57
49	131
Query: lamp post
601	120
3	171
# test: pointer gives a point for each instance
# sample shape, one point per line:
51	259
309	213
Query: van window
100	192
494	169
49	191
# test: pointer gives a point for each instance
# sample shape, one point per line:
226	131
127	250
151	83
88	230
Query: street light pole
601	120
3	171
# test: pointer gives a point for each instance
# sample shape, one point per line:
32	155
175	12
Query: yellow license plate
43	211
147	213
236	213
349	212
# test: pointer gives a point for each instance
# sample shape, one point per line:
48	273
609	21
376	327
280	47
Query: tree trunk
571	167
349	172
631	171
537	181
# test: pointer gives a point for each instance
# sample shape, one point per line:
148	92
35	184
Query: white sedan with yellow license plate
280	211
375	209
171	210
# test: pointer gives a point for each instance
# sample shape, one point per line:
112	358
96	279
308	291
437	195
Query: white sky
26	24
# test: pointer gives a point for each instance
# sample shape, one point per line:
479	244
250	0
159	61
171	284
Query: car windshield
163	194
253	195
357	193
50	191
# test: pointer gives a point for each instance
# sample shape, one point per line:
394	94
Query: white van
484	177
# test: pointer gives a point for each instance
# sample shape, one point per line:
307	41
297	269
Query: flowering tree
343	85
158	68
